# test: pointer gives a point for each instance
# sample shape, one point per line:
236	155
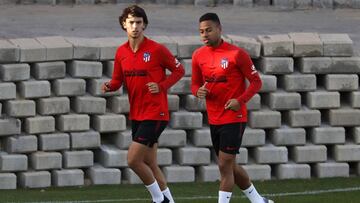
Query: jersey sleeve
117	77
248	69
169	62
196	76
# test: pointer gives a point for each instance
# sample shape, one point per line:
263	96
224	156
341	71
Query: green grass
194	192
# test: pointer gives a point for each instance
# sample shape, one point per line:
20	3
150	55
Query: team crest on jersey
146	57
224	63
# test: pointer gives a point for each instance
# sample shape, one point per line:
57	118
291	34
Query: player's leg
226	162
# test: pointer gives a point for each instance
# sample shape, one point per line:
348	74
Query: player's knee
133	162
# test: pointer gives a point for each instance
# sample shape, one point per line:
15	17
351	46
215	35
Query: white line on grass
315	192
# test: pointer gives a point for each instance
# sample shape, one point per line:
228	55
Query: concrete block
84	1
342	3
327	135
173	102
53	106
108	46
343	117
179	174
46	160
243	3
7	91
253	137
108	123
270	154
85	69
73	122
186	45
322	3
78	159
303	4
57	48
54	142
67	177
355	133
315	65
269	83
64	2
337	44
48	70
130	177
341	82
284	4
94	88
258	172
110	156
14	72
21	144
39	124
20	108
322	100
119	104
122	140
84	48
309	153
30	49
327	170
242	157
186	120
108	68
264	119
34	89
209	173
288	136
187	64
201	137
307	44
192	156
276	45
293	171
168	42
35	179
46	2
250	45
355	99
164	157
298	82
85	140
10	126
276	65
7	181
303	118
254	103
204	2
104	176
193	103
181	87
283	100
89	105
172	138
8	52
69	87
346	153
13	162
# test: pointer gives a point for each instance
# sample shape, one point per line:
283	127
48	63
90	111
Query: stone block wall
58	129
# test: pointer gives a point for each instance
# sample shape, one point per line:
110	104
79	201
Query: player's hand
202	91
153	87
232	104
105	87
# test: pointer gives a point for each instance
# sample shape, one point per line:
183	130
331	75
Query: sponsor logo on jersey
177	63
146	57
224	63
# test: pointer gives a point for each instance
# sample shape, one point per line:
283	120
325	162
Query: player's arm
117	77
198	88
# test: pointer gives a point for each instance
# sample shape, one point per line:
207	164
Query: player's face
210	33
134	26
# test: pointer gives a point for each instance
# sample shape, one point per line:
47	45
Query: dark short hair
135	11
210	16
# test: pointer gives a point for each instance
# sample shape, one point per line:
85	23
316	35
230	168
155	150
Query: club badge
146	57
224	63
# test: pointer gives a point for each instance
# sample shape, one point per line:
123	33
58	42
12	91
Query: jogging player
140	65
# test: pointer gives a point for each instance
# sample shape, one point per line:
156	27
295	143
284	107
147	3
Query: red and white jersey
136	69
225	69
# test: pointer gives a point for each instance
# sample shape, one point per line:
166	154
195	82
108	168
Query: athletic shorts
227	137
147	132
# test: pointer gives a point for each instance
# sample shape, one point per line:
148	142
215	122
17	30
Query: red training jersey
225	69
136	69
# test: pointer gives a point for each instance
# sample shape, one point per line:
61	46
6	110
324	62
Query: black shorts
147	132
227	137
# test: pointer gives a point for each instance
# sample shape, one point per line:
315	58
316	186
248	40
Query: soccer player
140	65
219	70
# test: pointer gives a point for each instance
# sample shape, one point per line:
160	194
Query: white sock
156	194
252	194
167	194
224	197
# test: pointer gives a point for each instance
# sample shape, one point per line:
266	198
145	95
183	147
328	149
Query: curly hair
135	11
